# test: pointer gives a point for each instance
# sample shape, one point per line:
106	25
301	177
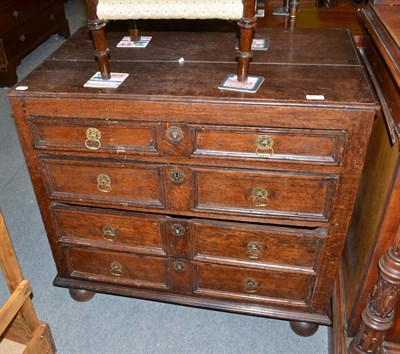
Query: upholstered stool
100	11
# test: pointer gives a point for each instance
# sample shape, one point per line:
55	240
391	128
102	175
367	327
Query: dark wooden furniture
20	329
169	189
24	25
370	283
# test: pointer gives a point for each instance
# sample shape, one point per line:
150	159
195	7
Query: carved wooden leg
96	26
303	329
246	24
81	295
378	315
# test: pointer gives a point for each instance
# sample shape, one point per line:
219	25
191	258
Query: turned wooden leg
293	9
303	329
378	315
134	32
81	295
96	27
246	24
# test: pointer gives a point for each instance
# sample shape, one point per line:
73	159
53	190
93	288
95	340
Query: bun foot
81	295
303	329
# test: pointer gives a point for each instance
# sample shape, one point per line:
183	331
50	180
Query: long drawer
193	189
220	242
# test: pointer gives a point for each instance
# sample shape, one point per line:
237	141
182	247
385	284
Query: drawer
235	283
256	245
19	11
23	38
140	233
119	268
111	136
99	182
267	194
263	144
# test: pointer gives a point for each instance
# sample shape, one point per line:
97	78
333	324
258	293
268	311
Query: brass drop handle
254	249
174	134
179	267
93	137
109	233
264	145
260	197
177	230
52	17
15	13
177	176
116	269
104	183
250	285
22	38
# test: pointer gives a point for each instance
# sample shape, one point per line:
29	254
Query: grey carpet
112	324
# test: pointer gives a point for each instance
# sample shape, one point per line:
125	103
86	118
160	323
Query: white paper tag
127	43
315	97
96	80
21	88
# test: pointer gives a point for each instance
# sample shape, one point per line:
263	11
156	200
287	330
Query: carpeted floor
112	324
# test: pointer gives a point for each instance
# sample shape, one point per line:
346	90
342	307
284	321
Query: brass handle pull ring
104	183
177	230
109	233
93	136
254	249
179	267
264	146
260	197
174	134
250	285
116	269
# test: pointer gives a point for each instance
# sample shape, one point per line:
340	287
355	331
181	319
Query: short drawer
120	268
100	182
96	136
263	144
268	194
256	245
235	283
140	233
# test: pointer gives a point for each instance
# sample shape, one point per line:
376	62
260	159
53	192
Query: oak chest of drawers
24	24
167	188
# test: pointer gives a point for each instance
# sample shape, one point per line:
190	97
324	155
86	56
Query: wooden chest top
297	63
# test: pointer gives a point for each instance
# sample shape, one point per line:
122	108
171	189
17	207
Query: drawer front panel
141	233
120	268
314	146
256	245
252	285
299	196
100	182
96	136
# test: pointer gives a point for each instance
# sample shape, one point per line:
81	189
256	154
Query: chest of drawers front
248	217
187	194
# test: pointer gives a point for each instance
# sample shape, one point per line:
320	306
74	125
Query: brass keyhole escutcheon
109	233
177	230
180	267
260	197
177	176
254	249
104	183
250	285
264	145
93	137
174	134
116	269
